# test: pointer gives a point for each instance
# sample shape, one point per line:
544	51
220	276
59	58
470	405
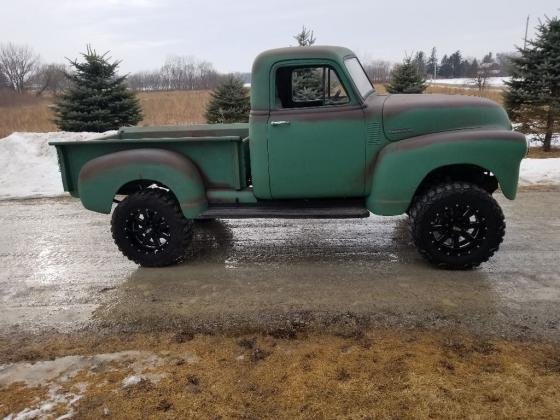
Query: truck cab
308	120
320	143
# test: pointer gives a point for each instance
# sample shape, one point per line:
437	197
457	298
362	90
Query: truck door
316	134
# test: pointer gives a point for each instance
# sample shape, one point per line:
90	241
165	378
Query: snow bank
469	82
28	165
539	171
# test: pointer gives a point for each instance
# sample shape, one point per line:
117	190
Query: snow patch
470	82
29	166
539	171
54	373
136	379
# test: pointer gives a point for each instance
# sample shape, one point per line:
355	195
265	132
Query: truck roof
265	60
315	51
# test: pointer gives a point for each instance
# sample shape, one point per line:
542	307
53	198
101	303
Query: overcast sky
230	33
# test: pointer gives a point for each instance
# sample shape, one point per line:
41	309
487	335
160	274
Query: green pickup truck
320	143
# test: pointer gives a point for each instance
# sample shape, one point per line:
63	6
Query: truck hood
406	116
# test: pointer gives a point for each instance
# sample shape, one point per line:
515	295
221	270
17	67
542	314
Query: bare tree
480	80
177	73
379	71
146	81
4	83
50	78
18	64
305	38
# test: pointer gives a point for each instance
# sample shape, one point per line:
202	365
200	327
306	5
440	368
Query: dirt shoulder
374	372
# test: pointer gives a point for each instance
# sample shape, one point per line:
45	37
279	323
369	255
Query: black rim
147	230
457	229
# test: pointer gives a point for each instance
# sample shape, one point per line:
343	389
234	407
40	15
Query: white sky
230	33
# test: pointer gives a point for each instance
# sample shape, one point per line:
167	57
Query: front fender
101	178
400	167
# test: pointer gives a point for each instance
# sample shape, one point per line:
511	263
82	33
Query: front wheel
457	225
150	229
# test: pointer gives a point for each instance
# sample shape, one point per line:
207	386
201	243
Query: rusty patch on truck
319	114
397	104
138	156
446	136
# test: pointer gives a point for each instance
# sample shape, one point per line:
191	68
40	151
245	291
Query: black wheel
457	225
150	229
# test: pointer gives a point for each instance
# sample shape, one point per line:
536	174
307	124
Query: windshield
359	76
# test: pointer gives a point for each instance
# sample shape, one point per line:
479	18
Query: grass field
29	113
374	374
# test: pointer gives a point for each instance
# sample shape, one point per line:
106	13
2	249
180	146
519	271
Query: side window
299	87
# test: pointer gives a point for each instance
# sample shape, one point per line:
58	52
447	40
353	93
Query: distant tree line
455	65
22	70
181	72
451	66
177	73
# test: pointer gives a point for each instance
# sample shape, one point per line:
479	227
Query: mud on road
59	270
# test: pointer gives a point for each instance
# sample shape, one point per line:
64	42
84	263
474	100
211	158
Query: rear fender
101	178
400	167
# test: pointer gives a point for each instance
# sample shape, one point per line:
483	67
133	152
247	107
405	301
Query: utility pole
526	31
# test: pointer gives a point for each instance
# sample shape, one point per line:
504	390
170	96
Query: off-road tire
169	238
443	210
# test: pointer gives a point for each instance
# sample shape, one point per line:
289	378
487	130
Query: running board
284	212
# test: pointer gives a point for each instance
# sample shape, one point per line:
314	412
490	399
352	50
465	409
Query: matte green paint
330	158
97	191
399	170
221	162
437	113
258	146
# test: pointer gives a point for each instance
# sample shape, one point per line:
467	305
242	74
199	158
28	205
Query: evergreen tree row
455	65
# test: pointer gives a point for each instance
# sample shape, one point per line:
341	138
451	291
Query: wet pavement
59	269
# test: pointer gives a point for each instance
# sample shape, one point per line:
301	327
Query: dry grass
494	94
539	153
29	113
178	107
381	374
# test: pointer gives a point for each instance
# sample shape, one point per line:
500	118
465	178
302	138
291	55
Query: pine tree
229	102
305	38
432	64
445	69
405	79
98	100
420	63
456	61
533	94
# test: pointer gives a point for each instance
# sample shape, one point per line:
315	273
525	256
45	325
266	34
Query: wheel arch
102	178
458	172
403	168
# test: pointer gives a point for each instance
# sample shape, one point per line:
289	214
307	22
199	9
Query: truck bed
220	151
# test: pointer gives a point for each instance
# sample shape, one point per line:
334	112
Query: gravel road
60	270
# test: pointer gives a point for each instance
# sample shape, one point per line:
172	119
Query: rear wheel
150	229
457	225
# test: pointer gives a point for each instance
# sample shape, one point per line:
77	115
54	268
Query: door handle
276	123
